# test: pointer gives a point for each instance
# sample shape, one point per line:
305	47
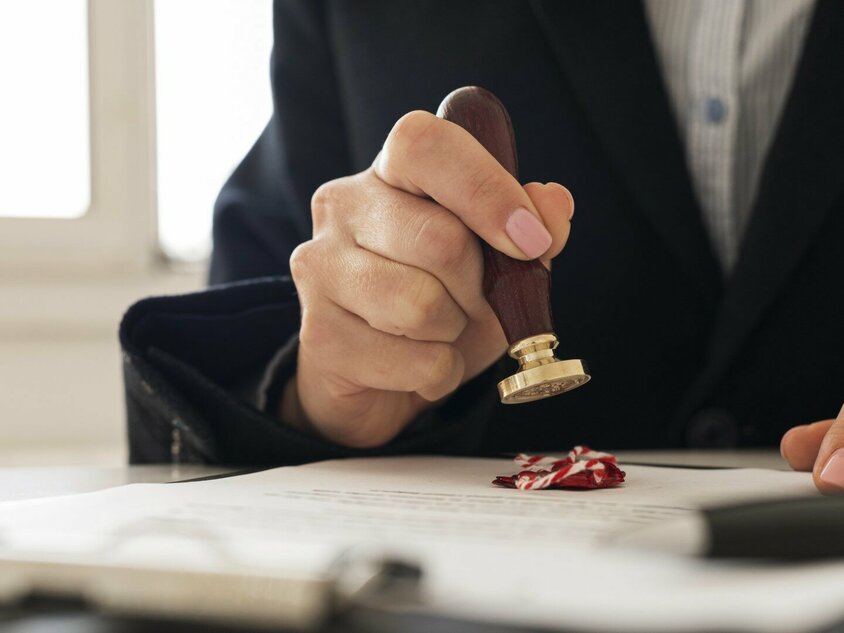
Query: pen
801	528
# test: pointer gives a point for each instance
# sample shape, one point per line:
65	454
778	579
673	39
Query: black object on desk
801	528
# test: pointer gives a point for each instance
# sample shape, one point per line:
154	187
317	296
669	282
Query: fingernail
833	471
528	233
841	413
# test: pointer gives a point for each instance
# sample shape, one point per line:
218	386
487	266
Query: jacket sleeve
186	356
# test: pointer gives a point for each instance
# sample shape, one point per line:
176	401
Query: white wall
61	396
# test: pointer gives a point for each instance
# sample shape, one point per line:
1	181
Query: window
110	153
115	235
120	122
44	122
213	99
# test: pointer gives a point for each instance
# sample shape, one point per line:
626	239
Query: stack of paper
265	547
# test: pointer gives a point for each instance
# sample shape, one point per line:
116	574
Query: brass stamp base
540	374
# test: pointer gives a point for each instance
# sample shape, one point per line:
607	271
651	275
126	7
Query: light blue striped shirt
728	66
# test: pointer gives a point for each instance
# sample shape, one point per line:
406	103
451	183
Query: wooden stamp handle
518	291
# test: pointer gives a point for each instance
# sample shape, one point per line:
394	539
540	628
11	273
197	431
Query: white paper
535	558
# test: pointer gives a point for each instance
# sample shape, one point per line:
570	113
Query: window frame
119	227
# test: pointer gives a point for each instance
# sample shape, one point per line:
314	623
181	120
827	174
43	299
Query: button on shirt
728	66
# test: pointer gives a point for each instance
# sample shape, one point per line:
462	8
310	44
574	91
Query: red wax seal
581	468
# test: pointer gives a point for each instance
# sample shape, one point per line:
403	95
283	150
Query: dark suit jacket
680	356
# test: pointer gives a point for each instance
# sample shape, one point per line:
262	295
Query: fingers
800	445
829	466
391	297
421	234
556	206
340	340
391	285
428	156
818	447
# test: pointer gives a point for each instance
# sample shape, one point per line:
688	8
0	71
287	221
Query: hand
393	314
818	447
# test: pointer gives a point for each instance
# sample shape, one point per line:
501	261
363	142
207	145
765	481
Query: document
270	544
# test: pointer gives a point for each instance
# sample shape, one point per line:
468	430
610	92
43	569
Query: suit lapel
606	52
802	177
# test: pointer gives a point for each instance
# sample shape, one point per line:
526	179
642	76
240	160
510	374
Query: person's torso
678	355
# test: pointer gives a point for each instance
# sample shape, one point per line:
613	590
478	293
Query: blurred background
119	122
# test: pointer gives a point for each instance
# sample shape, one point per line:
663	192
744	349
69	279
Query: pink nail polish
833	471
528	233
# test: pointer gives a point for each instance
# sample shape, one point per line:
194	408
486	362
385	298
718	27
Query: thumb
801	444
829	467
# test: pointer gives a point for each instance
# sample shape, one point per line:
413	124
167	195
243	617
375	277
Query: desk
34	482
43	616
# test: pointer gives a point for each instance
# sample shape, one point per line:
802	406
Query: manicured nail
833	471
528	233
